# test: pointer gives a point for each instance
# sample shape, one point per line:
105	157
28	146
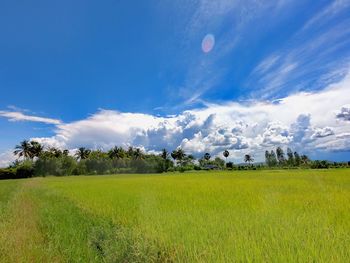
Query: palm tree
207	156
36	149
54	152
226	153
130	152
304	159
248	158
138	154
164	154
178	155
116	152
82	153
24	150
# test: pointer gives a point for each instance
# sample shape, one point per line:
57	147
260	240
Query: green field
238	216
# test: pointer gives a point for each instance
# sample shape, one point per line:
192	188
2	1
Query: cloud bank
305	121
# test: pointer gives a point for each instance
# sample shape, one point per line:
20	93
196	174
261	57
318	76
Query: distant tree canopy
35	160
248	159
277	159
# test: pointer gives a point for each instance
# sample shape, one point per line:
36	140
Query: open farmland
232	216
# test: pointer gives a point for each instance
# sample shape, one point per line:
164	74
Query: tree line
278	158
36	160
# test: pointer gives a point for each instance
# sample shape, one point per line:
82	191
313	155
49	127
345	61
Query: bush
25	172
22	170
320	164
171	169
229	165
8	173
197	168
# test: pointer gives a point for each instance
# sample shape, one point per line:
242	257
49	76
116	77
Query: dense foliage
35	160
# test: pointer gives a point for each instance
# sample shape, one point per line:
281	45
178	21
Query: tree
268	158
174	155
36	149
188	160
226	153
178	155
290	157
164	154
130	152
280	156
207	156
82	153
304	159
54	152
248	158
116	153
219	162
273	158
24	150
138	154
166	162
297	159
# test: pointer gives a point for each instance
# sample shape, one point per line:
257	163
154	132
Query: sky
246	76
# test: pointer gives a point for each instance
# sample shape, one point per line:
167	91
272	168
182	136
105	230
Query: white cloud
6	158
322	132
276	134
344	135
312	58
344	113
329	12
303	121
19	116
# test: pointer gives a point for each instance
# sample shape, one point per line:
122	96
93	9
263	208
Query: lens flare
208	43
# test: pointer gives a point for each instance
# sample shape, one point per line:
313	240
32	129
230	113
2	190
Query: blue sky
67	63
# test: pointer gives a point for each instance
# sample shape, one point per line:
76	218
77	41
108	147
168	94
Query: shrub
8	173
229	165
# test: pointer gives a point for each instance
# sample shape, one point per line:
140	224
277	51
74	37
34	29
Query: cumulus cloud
344	113
19	116
302	121
6	158
275	134
344	135
322	132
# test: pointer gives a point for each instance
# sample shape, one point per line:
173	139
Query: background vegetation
35	160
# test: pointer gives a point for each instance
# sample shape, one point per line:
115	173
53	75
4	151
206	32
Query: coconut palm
36	149
54	152
138	154
24	149
304	159
130	152
207	156
248	158
82	153
178	155
164	154
226	153
117	153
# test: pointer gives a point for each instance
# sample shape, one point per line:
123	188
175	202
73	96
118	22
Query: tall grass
278	216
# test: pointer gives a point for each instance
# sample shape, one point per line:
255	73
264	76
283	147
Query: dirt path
20	237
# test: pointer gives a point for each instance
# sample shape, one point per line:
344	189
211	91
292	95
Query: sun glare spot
208	43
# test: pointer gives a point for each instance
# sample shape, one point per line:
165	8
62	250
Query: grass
274	216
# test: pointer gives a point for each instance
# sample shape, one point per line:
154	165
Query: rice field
232	216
